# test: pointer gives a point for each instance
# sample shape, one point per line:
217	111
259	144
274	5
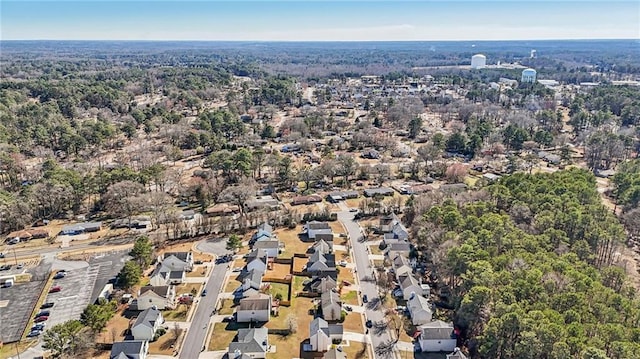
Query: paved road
193	343
365	272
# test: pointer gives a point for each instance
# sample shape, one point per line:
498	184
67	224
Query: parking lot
75	295
108	267
16	306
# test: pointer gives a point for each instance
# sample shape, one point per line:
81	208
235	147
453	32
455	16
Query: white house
322	334
163	297
331	305
420	309
251	283
409	284
257	260
256	308
457	354
437	336
130	349
146	324
177	261
250	343
163	276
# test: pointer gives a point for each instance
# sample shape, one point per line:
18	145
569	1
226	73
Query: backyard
165	345
292	243
281	289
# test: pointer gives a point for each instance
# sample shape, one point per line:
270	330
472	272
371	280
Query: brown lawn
375	249
164	344
357	350
292	243
176	315
116	328
337	227
353	202
342	255
298	263
188	288
198	271
353	323
278	271
349	297
227	307
221	337
345	274
232	285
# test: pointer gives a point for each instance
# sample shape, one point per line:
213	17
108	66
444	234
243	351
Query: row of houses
434	335
143	330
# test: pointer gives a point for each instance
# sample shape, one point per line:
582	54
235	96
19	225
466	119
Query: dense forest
528	265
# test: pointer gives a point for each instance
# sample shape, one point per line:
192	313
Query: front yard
197	272
221	337
357	350
188	288
176	315
349	297
353	323
165	345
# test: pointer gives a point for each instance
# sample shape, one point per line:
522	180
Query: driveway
365	274
197	332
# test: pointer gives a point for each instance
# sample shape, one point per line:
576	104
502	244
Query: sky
306	20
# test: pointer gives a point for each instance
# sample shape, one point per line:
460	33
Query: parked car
369	323
34	333
198	262
5	267
353	210
39	326
44	313
60	275
348	308
365	299
237	269
346	283
41	319
1	255
230	318
343	263
20	266
204	293
55	289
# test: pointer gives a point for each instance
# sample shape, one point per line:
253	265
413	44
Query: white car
343	263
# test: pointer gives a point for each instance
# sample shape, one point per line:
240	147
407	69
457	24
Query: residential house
314	229
322	284
401	266
251	283
79	228
178	260
398	249
397	233
370	154
222	209
457	354
420	309
380	191
321	262
305	200
334	354
272	248
130	349
163	276
263	202
408	285
257	259
264	232
256	308
331	305
437	336
322	246
250	343
162	297
145	326
386	223
335	197
323	334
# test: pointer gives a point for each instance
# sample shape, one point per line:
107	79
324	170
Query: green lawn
279	288
350	297
179	314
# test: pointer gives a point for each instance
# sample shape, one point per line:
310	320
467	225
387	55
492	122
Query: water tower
478	61
529	75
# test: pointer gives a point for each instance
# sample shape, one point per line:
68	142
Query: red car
41	319
55	289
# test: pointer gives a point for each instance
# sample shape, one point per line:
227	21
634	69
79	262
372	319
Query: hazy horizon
320	21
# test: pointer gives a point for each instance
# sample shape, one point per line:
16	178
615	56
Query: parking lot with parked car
16	307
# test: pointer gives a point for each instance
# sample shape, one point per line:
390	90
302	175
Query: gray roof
436	330
315	225
81	226
258	253
322	246
129	348
319	324
162	290
266	244
254	277
322	284
257	302
417	303
381	191
176	274
265	227
407	281
457	354
183	256
148	318
399	247
254	340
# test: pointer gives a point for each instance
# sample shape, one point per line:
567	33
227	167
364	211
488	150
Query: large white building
529	75
478	61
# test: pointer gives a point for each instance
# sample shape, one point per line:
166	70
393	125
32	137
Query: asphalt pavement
365	273
197	332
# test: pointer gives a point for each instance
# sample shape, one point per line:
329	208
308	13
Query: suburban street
365	275
194	341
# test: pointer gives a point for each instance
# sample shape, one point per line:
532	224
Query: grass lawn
164	344
176	315
279	271
232	285
337	227
375	249
9	350
342	255
378	263
345	274
116	327
357	350
221	337
292	243
227	306
186	288
279	288
471	180
300	309
350	297
353	202
353	323
198	271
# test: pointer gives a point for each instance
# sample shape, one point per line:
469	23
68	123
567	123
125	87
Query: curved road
197	332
